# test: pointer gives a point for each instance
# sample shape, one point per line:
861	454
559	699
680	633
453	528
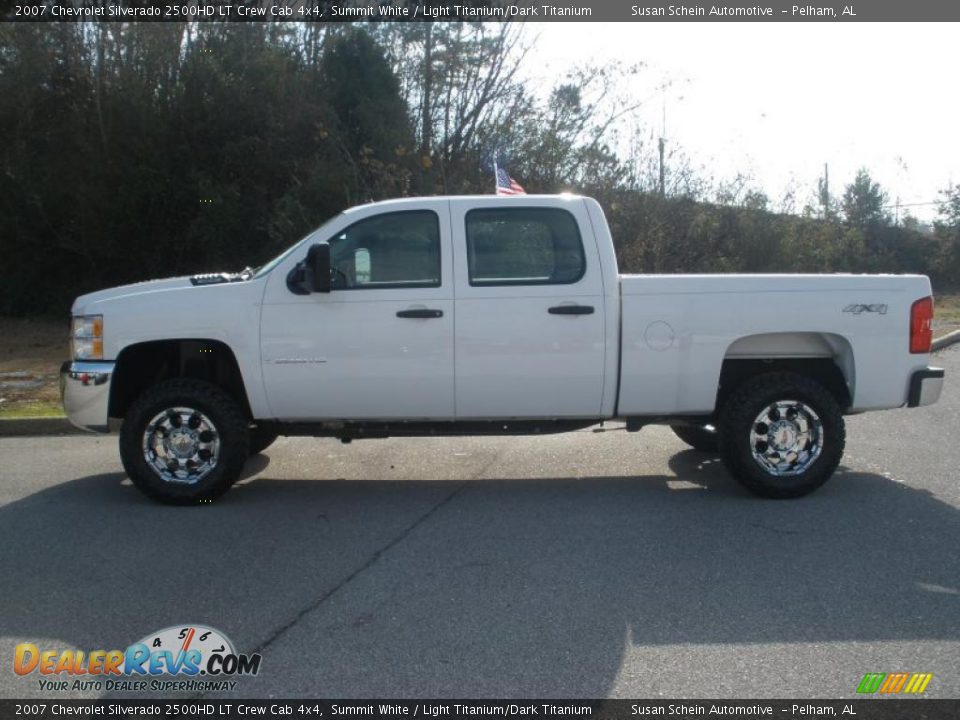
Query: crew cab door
380	344
530	339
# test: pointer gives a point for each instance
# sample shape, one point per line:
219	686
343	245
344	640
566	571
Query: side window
524	246
394	250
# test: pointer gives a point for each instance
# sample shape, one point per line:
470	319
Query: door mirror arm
297	279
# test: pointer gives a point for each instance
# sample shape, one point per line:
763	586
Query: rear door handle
571	310
420	313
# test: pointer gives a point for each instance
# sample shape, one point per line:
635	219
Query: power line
932	202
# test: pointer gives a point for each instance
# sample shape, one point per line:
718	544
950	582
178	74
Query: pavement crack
779	531
368	564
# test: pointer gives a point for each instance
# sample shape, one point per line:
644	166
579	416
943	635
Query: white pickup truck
489	315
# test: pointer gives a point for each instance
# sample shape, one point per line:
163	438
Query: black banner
856	709
479	10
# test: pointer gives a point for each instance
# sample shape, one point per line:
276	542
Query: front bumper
925	387
85	391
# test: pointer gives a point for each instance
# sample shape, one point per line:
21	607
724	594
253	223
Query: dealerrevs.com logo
179	658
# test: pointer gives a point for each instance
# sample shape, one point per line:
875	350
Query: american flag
506	185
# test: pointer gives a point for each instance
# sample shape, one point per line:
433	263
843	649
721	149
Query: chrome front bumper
925	387
85	391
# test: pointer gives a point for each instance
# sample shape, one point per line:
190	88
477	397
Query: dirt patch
31	351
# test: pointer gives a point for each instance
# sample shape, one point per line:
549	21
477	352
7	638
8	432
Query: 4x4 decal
858	308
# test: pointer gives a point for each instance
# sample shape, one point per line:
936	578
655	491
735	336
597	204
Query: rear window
524	246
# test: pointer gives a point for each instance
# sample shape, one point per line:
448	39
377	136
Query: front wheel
261	438
781	435
184	441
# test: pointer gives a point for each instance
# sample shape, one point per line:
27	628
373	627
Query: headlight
86	337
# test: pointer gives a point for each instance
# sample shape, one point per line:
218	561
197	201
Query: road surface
593	564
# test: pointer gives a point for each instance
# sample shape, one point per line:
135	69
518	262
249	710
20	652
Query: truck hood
91	302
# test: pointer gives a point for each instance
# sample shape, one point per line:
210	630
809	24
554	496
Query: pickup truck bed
682	328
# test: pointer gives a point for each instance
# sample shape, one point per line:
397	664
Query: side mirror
318	267
313	273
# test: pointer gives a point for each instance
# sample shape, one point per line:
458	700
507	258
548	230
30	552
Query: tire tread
699	438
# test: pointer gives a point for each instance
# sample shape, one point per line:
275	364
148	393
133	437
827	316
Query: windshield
263	270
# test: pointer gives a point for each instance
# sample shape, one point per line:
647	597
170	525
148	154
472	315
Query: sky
778	100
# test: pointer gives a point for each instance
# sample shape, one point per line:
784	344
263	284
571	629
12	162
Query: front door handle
571	310
420	313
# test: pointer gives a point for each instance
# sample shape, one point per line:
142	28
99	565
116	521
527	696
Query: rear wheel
702	438
184	441
781	435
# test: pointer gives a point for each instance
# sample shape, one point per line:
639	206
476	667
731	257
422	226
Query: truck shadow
535	588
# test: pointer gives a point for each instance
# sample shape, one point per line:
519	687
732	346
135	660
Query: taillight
921	325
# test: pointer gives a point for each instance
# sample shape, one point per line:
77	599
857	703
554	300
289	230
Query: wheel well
145	364
736	371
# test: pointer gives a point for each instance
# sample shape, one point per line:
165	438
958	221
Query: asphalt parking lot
594	564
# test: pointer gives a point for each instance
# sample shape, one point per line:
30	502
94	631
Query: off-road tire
261	438
736	423
699	438
227	417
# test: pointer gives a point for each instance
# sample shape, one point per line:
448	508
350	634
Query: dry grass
946	313
33	350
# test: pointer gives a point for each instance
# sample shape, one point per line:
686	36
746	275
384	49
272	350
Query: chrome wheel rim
181	445
786	438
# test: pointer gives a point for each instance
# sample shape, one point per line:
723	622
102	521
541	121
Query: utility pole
426	111
662	143
825	191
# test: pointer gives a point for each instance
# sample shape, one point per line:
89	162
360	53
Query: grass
946	314
31	409
34	348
